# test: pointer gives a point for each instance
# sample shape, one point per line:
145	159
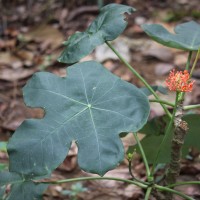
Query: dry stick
180	130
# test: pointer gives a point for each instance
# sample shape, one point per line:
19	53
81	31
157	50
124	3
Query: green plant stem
166	135
191	107
173	191
95	178
143	155
161	188
148	193
162	101
187	68
195	62
184	183
180	130
138	76
188	61
193	67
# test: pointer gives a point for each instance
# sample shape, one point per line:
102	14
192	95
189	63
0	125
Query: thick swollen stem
180	130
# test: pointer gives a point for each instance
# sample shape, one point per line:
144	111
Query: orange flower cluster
179	81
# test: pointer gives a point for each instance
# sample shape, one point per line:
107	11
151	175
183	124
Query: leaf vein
66	97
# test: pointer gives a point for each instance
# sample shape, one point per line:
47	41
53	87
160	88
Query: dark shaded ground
31	36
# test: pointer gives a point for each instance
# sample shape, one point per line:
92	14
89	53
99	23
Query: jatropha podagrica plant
91	106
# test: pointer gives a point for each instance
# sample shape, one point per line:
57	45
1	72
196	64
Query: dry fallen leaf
7	59
8	74
163	68
45	33
160	52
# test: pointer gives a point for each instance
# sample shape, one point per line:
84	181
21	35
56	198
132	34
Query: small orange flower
179	81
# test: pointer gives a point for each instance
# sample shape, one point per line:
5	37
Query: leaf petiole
139	76
162	101
162	188
148	193
191	107
195	62
142	185
184	183
143	155
188	60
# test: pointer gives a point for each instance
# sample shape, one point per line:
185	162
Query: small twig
132	175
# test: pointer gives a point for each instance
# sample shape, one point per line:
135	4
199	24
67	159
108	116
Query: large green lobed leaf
186	37
91	106
106	27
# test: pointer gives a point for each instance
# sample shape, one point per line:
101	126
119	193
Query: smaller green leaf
151	144
154	131
155	126
106	27
192	139
186	37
